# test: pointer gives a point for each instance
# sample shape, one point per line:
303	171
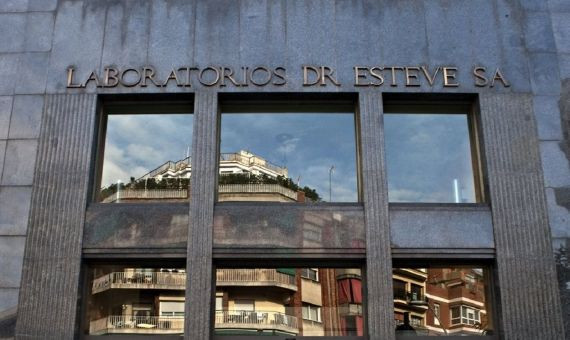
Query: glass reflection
135	300
146	158
289	301
288	157
441	301
429	158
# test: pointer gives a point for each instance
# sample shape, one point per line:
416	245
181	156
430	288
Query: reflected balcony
255	278
259	321
139	280
119	324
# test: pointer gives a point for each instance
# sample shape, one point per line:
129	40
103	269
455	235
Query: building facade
421	189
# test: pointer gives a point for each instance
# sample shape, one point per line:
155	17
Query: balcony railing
140	280
147	194
256	320
137	325
402	294
255	277
251	161
257	189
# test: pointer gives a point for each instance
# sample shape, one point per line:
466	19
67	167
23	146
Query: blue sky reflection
425	154
308	144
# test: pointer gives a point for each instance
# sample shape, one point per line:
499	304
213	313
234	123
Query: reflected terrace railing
256	320
252	160
254	277
257	189
137	324
147	194
137	280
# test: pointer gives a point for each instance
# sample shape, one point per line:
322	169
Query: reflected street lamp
425	303
330	182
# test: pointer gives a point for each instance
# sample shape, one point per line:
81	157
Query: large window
277	301
145	153
288	152
135	299
431	153
441	301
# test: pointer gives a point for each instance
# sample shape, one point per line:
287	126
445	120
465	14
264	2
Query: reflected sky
425	154
137	144
308	144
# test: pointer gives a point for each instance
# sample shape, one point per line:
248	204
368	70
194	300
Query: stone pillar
52	261
379	299
529	300
204	181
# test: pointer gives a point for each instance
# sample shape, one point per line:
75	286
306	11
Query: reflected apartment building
249	301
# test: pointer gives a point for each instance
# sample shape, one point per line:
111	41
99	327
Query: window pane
283	304
146	158
457	295
288	157
429	158
135	300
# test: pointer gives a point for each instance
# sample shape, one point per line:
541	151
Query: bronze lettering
448	76
378	75
263	83
393	69
172	76
430	79
188	82
327	72
358	75
306	70
203	71
499	76
111	74
70	83
92	77
279	75
244	73
127	84
412	76
228	76
480	79
148	73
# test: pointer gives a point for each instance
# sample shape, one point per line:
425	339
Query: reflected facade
430	157
442	301
135	300
147	157
297	156
289	301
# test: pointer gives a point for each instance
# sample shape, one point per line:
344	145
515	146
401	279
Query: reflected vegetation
429	158
442	301
288	157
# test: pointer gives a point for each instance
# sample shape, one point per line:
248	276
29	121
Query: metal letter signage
260	76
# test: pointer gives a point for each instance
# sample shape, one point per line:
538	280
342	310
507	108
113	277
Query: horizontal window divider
134	253
441	206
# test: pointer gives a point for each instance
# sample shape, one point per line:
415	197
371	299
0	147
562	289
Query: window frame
230	103
409	105
129	105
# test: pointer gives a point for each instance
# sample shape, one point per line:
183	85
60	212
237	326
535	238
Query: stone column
379	299
529	300
52	260
204	180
